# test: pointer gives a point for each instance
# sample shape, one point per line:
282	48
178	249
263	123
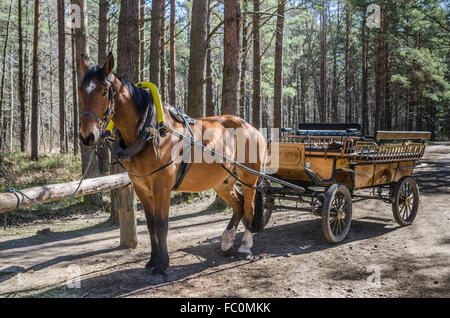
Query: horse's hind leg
228	192
249	210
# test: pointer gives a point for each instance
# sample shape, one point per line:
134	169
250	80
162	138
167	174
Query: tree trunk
256	100
11	119
35	96
103	36
123	201
197	55
303	86
141	41
50	98
173	95
323	64
408	109
61	77
82	47
230	84
162	81
278	80
21	83
419	91
242	91
387	90
365	77
379	99
2	89
348	107
209	94
74	96
103	30
155	42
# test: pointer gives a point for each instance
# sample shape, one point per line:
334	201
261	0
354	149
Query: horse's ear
109	64
84	64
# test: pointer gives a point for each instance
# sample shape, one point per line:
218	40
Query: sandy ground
291	258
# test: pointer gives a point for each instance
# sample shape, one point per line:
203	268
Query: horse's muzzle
90	141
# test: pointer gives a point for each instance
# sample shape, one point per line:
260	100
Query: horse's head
96	94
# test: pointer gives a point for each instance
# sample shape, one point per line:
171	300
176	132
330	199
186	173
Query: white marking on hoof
90	87
247	243
228	238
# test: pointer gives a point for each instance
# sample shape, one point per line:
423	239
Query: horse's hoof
228	239
158	271
150	264
245	250
226	246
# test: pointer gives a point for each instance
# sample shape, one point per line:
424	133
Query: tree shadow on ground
404	272
51	237
297	238
433	179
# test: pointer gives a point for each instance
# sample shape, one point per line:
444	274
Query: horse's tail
258	217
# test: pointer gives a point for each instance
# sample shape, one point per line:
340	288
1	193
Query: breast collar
145	136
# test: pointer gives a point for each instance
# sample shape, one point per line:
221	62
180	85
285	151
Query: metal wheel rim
338	223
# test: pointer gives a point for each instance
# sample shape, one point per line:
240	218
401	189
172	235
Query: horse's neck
125	114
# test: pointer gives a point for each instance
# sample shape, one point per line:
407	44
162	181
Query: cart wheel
336	213
264	206
405	201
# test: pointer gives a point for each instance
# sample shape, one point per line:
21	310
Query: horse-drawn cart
332	162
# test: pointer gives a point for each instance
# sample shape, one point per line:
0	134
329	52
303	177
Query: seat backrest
329	126
403	135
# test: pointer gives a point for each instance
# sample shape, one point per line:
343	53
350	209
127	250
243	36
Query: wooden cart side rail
373	153
60	191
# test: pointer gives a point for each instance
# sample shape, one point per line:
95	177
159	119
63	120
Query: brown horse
154	191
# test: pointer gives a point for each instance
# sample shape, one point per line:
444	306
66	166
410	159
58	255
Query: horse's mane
140	96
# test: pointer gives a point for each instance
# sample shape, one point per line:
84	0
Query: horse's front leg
146	200
161	205
162	260
153	239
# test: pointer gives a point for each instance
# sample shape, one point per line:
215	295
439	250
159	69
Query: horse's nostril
89	140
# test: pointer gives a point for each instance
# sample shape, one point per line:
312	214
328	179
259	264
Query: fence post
124	205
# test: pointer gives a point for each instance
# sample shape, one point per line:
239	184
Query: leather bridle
102	123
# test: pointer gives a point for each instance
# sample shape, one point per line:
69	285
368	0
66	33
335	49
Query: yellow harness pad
156	99
110	126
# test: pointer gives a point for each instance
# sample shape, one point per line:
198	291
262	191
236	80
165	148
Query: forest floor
291	258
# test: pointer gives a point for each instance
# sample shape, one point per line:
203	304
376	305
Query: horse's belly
202	177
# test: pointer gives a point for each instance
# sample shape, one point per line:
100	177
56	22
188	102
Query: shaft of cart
234	163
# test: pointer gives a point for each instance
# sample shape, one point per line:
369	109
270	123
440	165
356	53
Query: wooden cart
332	162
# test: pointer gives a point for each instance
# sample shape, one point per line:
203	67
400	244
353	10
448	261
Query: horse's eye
105	92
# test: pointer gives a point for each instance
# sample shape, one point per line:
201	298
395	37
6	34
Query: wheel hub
341	214
408	202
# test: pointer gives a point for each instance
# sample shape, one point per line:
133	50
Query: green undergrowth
20	172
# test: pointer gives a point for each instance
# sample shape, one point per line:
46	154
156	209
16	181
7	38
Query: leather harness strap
184	166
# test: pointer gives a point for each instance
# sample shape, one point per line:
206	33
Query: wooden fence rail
60	191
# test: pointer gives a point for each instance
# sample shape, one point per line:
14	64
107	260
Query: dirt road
291	258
